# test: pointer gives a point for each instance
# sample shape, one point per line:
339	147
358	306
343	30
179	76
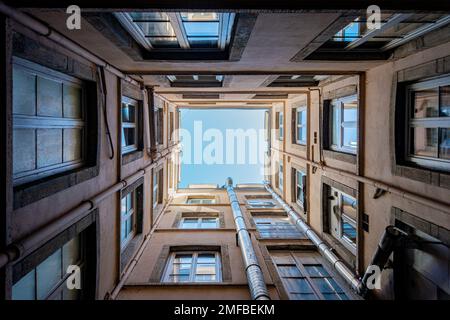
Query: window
344	119
48	279
194	200
349	33
299	178
428	130
276	227
179	30
159	126
196	81
280	125
128	221
304	276
280	177
261	203
342	218
199	223
157	187
300	129
49	122
129	125
202	266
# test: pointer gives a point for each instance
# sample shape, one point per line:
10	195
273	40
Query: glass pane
298	285
25	288
157	29
149	16
123	206
182	268
426	103
445	101
205	277
336	126
351	32
350	137
209	223
123	233
48	274
24	150
206	268
178	278
200	16
128	136
164	42
203	42
72	144
289	271
202	29
324	285
189	223
72	101
24	92
71	253
444	145
128	113
206	258
130	198
316	270
129	225
49	98
183	258
349	231
425	142
49	147
303	296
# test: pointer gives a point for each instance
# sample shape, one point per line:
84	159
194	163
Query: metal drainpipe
255	278
323	248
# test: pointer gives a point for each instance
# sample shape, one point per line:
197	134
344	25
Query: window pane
298	285
72	145
288	271
444	145
25	288
349	231
199	16
128	113
183	258
445	101
206	258
425	141
164	42
24	92
49	97
205	277
149	16
156	28
49	147
71	253
182	268
178	278
24	150
336	126
201	29
324	285
72	101
128	136
303	296
189	223
206	268
209	223
426	103
316	270
48	274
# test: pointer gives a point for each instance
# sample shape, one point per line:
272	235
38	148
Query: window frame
193	270
439	122
338	103
131	214
49	122
253	203
274	222
280	119
130	125
302	186
156	183
298	126
199	222
280	176
201	199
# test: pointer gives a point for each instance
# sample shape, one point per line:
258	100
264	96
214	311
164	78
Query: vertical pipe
255	278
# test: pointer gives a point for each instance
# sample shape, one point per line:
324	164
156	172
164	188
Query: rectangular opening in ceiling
196	81
295	81
358	41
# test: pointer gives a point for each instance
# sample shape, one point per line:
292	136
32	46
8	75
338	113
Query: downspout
391	238
255	278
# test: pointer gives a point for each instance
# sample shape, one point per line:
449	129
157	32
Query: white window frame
280	126
275	223
201	200
433	122
130	125
192	273
300	183
155	188
337	201
131	214
199	224
280	176
299	126
339	103
261	203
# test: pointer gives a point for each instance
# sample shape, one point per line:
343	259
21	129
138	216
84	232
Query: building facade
92	153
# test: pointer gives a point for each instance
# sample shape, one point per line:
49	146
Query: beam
391	22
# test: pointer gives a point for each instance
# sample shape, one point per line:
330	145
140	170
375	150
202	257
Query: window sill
340	156
424	175
40	189
132	156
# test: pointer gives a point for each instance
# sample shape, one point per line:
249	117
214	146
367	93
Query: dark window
130	125
49	122
428	123
159	126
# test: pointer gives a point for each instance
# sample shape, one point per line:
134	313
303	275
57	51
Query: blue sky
221	120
